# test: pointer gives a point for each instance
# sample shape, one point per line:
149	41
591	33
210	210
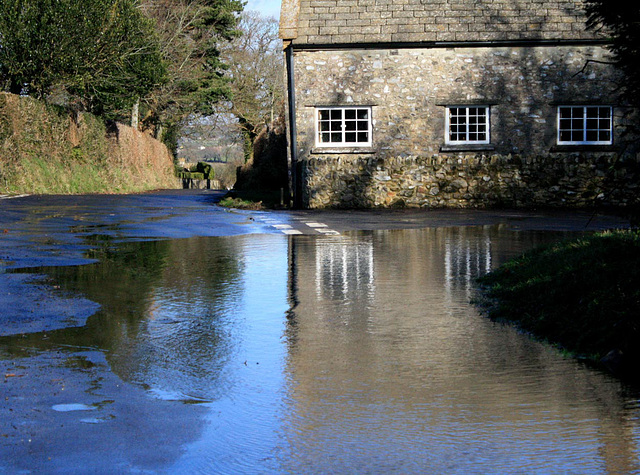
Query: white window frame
340	126
586	125
468	119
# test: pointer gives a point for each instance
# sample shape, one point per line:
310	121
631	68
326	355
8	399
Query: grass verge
239	203
44	149
255	200
582	295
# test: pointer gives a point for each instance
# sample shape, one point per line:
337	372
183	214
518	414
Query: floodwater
265	353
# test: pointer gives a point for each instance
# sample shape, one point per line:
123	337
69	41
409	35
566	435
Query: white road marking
10	197
318	227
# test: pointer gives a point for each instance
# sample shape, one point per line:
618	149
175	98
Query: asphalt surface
49	230
54	403
41	231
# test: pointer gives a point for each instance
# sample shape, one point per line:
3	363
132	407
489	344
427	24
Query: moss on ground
582	295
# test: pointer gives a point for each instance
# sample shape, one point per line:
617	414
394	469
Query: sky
266	7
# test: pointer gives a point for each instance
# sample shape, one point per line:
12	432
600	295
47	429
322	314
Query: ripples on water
348	354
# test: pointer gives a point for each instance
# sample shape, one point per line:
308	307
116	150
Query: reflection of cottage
451	103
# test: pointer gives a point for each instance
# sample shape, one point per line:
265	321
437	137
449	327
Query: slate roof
333	22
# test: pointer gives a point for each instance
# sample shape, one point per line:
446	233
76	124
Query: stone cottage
453	103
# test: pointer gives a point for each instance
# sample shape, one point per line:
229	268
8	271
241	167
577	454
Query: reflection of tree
166	310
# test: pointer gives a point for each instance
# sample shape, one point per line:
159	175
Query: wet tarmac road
40	231
57	402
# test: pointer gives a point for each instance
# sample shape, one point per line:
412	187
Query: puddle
357	353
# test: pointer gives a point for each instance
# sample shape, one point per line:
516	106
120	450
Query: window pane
584	124
468	124
343	125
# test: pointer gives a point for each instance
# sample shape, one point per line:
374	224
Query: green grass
266	199
582	295
72	176
239	203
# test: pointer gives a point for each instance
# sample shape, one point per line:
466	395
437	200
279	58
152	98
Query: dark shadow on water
163	319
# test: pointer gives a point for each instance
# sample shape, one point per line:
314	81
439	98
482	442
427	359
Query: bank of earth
581	295
46	149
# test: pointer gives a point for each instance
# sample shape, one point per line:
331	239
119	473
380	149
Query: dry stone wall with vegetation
47	150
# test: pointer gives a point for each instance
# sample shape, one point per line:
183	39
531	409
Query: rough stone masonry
408	61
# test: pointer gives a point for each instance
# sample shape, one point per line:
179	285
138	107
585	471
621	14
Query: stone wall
472	181
409	162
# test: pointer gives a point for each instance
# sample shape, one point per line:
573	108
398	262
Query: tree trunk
248	136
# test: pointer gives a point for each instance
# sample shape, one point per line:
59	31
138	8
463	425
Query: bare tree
256	71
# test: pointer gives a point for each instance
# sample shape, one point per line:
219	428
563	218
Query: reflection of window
345	269
343	126
467	125
590	125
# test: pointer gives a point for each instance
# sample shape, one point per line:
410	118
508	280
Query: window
343	126
590	125
467	125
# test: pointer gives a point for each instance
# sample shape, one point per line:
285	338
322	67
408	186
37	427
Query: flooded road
267	352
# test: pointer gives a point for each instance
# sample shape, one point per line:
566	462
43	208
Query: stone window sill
467	148
342	150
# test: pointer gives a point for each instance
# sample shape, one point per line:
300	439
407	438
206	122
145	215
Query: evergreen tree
190	32
104	53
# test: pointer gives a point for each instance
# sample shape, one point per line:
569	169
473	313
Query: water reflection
167	312
340	354
404	376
